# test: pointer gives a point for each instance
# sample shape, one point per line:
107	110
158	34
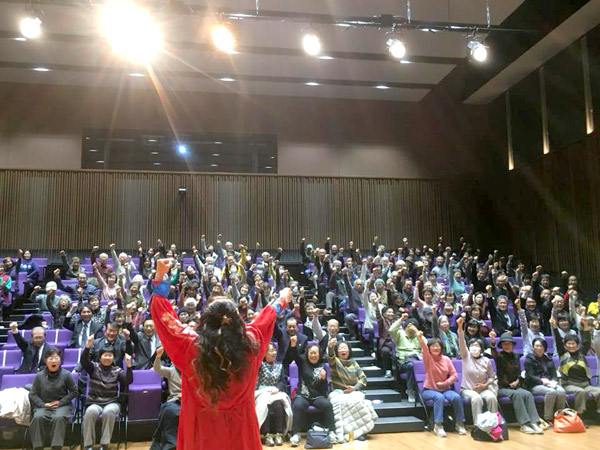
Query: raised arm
462	344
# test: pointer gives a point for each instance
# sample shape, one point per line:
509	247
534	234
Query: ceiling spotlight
182	149
41	69
226	79
223	38
396	48
311	42
326	57
214	165
312	83
137	75
131	30
381	86
216	154
182	189
477	50
31	26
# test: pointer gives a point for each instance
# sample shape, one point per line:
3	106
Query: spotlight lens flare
311	43
182	149
479	53
223	38
31	27
131	30
396	48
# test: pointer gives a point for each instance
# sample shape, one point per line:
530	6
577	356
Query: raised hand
293	341
332	343
128	360
90	341
159	352
14	327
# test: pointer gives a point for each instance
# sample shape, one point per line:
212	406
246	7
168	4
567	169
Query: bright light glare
311	43
131	31
182	149
396	48
31	27
223	38
479	53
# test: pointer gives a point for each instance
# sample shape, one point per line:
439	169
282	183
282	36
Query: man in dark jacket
145	343
34	352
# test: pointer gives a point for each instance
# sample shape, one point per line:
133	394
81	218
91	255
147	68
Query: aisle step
365	360
394	409
373	371
383	395
398	424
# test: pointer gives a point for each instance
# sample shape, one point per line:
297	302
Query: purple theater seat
10	360
144	395
70	282
488	324
41	261
11	343
71	358
17	380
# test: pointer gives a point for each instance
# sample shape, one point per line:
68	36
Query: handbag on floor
568	421
490	427
318	437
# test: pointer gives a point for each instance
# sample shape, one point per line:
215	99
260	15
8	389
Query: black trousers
58	417
275	421
323	409
165	436
386	357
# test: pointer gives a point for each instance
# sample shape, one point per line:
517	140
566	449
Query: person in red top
440	375
219	367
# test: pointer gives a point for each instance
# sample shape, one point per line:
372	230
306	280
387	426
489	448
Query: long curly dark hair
223	347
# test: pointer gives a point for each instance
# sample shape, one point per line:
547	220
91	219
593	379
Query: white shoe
411	396
527	429
460	428
269	442
295	440
333	437
388	374
438	429
535	427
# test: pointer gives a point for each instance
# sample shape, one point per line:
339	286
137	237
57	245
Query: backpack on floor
318	437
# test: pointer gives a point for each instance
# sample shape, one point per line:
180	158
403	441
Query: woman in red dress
219	366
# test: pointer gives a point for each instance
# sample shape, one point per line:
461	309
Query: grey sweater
48	387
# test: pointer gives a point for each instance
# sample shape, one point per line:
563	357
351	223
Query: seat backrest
10	358
146	377
17	380
72	355
63	335
26	334
361	315
592	362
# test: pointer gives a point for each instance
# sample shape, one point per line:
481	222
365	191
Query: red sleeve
262	328
179	340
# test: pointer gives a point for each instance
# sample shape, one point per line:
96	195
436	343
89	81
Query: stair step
357	351
373	371
383	395
354	343
393	409
380	383
398	424
365	360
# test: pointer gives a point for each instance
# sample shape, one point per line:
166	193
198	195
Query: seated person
541	379
106	381
312	390
333	329
60	311
5	289
50	397
408	349
283	338
385	344
81	327
121	345
34	352
502	319
511	385
80	293
348	379
39	298
575	372
440	376
442	331
478	378
145	343
273	406
165	436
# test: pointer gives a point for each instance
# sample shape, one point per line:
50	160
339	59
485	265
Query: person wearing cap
575	372
511	386
408	350
478	383
440	376
106	387
541	379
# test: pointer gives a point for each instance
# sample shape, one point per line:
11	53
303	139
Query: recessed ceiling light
156	164
87	138
154	153
214	165
272	157
268	167
152	140
41	69
93	150
227	79
137	75
381	86
100	162
405	62
312	83
326	57
217	142
21	39
216	154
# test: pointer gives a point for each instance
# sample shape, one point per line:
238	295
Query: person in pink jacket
440	376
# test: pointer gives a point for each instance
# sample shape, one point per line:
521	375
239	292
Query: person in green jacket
408	350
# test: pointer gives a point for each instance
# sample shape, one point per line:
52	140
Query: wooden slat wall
553	209
79	209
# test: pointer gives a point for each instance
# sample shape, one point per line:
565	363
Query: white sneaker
388	374
460	428
527	429
411	396
438	429
295	440
269	442
536	428
333	437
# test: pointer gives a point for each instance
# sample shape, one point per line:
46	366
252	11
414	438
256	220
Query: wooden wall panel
79	209
553	211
